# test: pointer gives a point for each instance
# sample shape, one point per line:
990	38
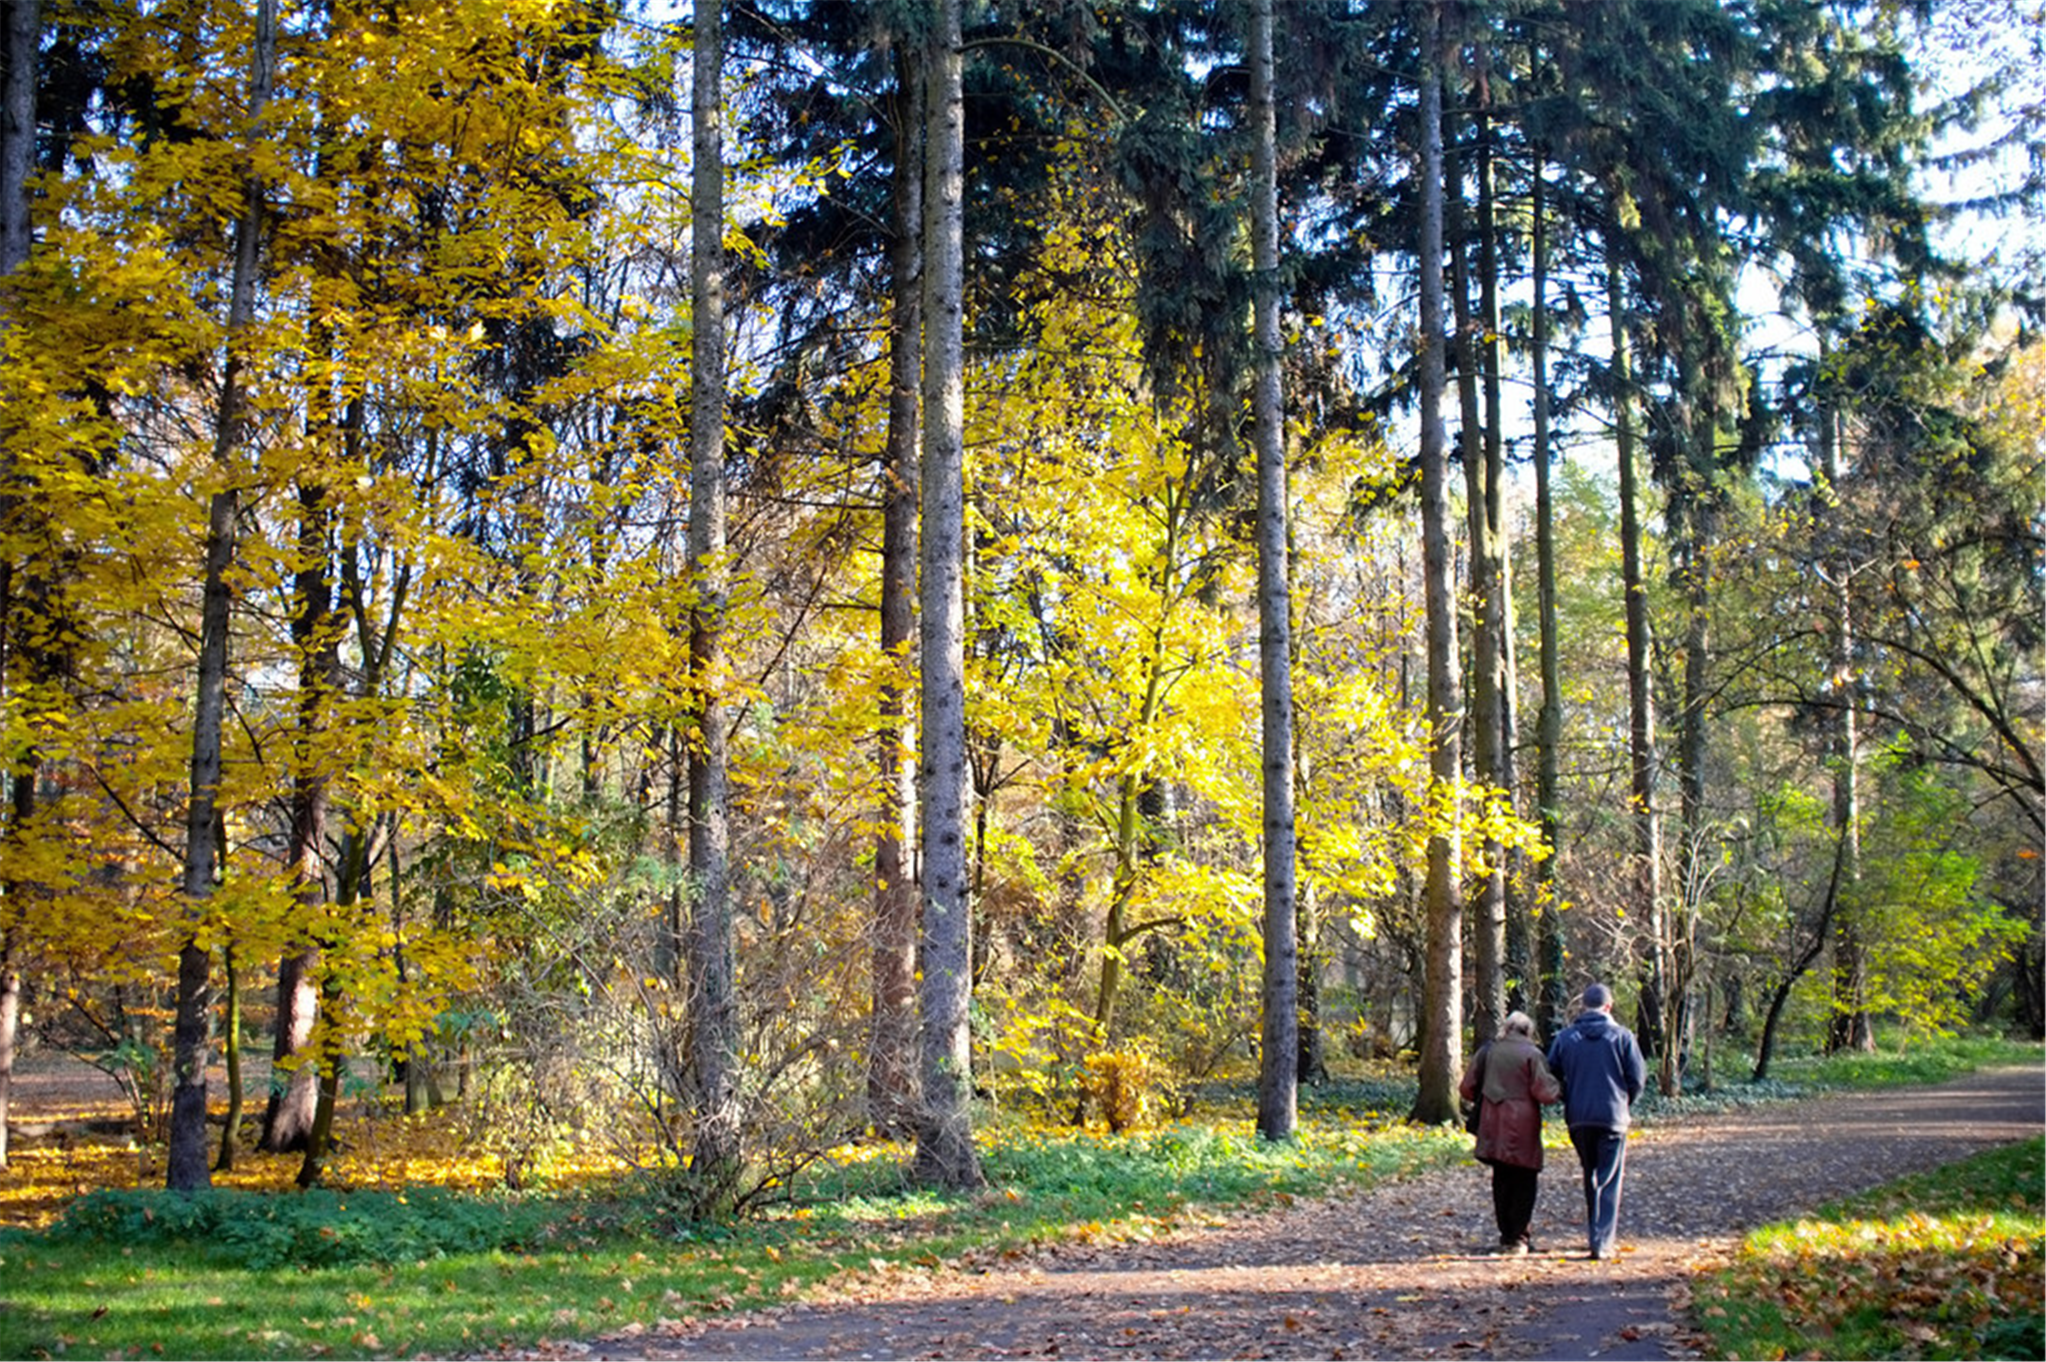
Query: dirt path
1400	1271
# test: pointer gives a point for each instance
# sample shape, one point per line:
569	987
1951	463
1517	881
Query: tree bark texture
1850	1028
1646	888
187	1163
18	131
1507	867
1553	1000
714	1020
231	1132
1488	911
1678	942
315	629
288	1116
17	162
892	1059
1278	1087
1441	1039
945	1155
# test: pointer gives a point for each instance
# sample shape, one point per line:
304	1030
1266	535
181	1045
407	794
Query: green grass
1946	1264
1923	1061
1940	1266
1926	1060
253	1275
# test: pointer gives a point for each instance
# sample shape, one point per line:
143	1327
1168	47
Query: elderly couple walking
1596	1069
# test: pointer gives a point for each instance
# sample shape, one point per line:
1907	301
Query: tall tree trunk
315	631
17	162
18	132
288	1115
186	1166
1488	913
231	1132
1278	1084
1506	866
714	1029
328	1051
1646	887
1553	1001
891	1064
1441	1039
1677	943
1850	1028
945	1155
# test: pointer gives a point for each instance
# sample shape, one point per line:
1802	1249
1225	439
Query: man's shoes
1517	1248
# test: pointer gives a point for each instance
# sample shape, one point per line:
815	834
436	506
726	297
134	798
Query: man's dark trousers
1602	1153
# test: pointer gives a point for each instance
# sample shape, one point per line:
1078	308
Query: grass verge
1945	1264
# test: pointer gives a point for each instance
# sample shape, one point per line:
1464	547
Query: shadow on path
1399	1271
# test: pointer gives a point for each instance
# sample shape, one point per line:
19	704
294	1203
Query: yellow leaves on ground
378	1149
1924	1276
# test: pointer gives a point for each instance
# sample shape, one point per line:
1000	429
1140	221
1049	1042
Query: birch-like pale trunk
1850	1028
1441	1038
945	1155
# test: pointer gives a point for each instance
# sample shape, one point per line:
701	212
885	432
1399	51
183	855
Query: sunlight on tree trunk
1849	1029
715	1162
1486	915
1278	1085
945	1155
1646	878
1441	1042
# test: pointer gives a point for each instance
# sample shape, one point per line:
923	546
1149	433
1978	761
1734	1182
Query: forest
729	580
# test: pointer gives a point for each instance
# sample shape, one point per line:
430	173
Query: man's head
1598	998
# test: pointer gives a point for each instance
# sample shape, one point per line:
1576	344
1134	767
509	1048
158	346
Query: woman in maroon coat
1510	1080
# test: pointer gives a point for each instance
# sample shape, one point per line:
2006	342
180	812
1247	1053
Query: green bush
2015	1338
319	1228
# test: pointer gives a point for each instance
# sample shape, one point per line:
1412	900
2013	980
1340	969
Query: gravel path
1400	1271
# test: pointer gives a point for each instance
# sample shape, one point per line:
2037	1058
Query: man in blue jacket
1600	1066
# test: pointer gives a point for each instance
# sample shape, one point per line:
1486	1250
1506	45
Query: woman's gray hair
1517	1024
